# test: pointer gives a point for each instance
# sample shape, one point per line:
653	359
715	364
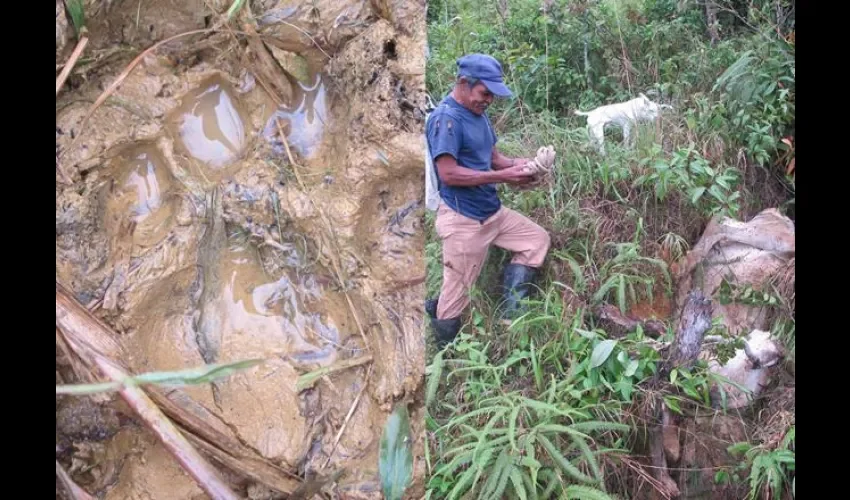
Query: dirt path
196	238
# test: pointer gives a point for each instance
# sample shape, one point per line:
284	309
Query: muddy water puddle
210	126
303	124
142	191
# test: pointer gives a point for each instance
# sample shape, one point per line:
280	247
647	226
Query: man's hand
516	175
521	162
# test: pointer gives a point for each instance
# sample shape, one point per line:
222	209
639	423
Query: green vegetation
552	406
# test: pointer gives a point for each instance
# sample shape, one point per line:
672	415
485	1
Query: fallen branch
694	321
72	61
84	334
217	440
74	491
275	80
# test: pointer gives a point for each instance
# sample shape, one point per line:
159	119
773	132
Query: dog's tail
581	113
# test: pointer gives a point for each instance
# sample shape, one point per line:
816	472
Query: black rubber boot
516	285
445	330
431	308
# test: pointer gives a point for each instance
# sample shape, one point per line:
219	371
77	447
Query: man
470	216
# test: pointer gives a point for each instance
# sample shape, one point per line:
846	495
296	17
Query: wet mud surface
192	233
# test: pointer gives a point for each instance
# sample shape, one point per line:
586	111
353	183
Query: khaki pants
465	245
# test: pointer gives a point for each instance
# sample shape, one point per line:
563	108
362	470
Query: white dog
625	114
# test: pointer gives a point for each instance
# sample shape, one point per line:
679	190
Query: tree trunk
711	21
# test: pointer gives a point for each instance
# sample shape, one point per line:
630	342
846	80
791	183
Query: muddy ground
189	230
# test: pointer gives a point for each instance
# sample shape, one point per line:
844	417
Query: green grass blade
435	372
194	376
517	484
578	492
84	389
76	10
234	8
396	460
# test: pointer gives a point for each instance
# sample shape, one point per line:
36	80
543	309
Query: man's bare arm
453	174
501	162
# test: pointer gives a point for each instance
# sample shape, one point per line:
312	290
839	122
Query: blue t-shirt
469	138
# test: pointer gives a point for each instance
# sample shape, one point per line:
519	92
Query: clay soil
199	235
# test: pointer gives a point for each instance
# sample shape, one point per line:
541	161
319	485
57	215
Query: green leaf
80	389
601	352
578	492
589	458
193	376
696	194
234	8
396	461
199	375
631	368
562	461
308	380
621	294
673	404
588	427
516	482
512	426
436	371
76	9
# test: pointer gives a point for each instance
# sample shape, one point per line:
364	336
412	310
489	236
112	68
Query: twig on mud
402	284
74	491
72	61
348	417
308	380
329	229
308	35
92	340
120	79
62	173
640	470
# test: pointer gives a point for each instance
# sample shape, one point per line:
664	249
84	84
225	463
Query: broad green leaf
76	9
631	368
673	404
601	352
696	194
396	461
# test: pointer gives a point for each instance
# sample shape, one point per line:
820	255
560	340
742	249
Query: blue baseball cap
487	69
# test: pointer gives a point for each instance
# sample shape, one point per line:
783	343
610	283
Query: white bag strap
432	192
